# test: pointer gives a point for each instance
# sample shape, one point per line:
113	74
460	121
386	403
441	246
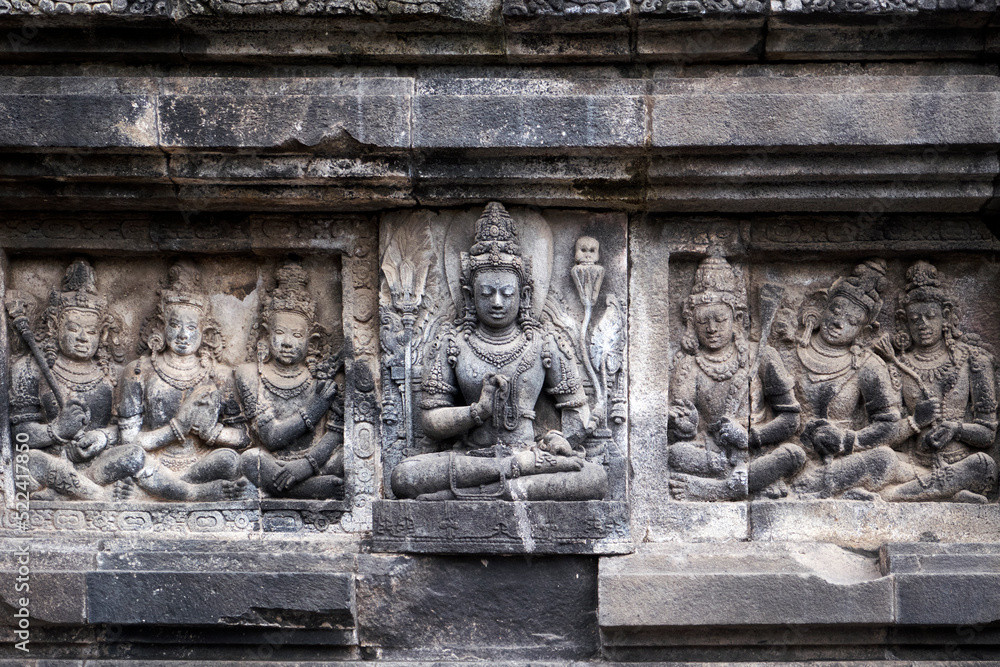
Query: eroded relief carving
837	409
715	425
62	394
178	403
291	398
178	423
482	379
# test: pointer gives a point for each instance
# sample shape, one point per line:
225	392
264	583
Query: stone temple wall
499	331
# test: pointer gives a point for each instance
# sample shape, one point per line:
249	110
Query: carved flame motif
405	264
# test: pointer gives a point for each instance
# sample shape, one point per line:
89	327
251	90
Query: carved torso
532	361
962	379
32	399
154	392
850	392
718	388
266	396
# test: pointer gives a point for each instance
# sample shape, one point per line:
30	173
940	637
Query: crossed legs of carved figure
93	480
447	475
968	480
214	477
858	476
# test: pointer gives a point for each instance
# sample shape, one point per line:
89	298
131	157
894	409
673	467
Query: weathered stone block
478	606
528	113
293	115
742	584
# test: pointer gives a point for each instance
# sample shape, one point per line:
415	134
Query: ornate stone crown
923	285
863	287
291	295
79	290
496	247
716	282
183	288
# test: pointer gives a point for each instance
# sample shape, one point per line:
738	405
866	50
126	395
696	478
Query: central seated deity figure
483	378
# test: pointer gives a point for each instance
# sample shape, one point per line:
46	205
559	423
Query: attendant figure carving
731	400
290	397
940	365
483	377
850	407
64	403
172	399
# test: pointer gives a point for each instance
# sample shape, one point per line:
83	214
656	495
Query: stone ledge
505	527
740	584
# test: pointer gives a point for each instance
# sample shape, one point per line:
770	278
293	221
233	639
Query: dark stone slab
503	527
208	598
945	584
453	606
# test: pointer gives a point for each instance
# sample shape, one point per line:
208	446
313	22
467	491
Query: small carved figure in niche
287	398
67	413
482	380
939	364
729	397
172	399
851	408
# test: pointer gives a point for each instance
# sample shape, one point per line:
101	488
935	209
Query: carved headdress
863	287
496	247
924	286
291	294
79	292
714	282
183	288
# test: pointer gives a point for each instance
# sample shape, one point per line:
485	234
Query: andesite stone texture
406	332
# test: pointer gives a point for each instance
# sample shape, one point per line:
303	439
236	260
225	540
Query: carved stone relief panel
503	369
808	368
193	393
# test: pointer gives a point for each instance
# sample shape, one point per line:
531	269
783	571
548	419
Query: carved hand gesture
326	391
493	386
926	411
72	419
942	434
825	438
87	446
683	418
730	434
292	473
203	408
554	443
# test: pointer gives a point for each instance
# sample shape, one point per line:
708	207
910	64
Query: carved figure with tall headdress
482	380
722	383
177	400
850	408
937	364
291	400
67	412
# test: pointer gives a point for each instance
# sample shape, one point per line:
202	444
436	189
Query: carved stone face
713	323
289	338
926	323
588	250
79	334
498	298
183	331
842	321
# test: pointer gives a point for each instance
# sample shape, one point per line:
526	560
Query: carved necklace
182	384
722	369
932	369
285	392
497	358
83	381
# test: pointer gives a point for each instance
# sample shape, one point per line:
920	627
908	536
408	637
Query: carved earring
902	341
263	352
156	343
